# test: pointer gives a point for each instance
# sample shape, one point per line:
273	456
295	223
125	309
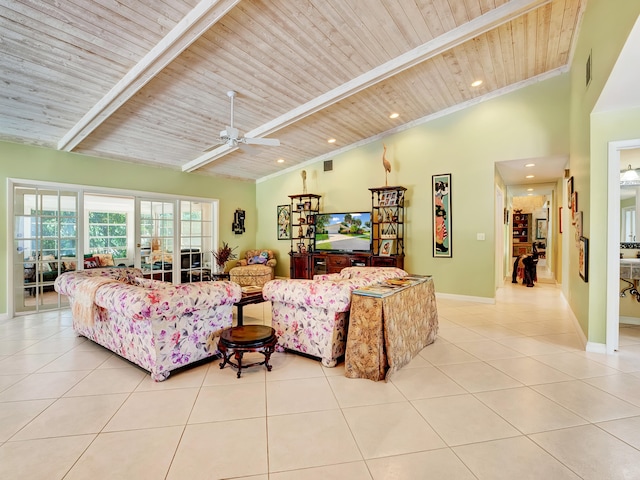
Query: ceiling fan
230	136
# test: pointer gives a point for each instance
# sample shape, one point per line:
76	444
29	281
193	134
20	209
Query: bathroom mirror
629	195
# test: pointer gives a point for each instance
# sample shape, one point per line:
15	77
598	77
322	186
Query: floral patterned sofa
156	325
312	316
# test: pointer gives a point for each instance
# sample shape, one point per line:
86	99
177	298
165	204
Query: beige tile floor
506	392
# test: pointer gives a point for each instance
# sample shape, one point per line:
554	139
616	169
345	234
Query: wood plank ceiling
146	81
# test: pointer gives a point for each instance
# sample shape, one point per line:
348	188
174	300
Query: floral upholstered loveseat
312	316
156	325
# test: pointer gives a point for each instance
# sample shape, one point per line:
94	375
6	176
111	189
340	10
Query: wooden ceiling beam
206	14
479	25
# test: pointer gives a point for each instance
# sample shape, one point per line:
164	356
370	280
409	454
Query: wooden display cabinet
304	209
387	224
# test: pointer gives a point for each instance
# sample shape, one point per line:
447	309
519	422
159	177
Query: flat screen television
343	232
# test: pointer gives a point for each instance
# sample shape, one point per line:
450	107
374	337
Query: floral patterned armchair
156	325
257	268
312	316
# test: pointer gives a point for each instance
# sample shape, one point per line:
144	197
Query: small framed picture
392	199
559	219
311	219
583	258
284	222
569	191
386	247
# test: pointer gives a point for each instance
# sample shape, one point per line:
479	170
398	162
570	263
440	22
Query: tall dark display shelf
387	226
304	209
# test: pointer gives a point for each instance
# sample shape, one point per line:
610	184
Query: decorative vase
218	269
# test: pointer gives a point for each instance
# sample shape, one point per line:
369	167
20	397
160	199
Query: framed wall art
386	247
441	191
569	191
284	222
583	259
541	228
559	219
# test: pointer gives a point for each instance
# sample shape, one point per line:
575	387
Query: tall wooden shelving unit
387	226
304	208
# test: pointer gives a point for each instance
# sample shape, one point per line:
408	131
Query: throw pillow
69	263
51	266
106	259
257	260
264	254
91	262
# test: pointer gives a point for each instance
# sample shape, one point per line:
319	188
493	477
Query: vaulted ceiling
146	81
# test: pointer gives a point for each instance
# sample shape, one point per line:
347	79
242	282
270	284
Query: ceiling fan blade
272	142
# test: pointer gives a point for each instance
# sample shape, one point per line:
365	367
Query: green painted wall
44	164
605	28
528	123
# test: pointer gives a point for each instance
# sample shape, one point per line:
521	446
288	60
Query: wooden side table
249	338
248	298
220	276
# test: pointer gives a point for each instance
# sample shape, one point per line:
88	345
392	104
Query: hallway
505	392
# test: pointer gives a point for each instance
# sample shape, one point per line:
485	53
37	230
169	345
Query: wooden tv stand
306	265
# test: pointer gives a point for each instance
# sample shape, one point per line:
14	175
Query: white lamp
630	177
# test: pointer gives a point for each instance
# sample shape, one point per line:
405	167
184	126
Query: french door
156	238
175	239
45	244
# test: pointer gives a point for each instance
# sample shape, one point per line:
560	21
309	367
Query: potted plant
223	255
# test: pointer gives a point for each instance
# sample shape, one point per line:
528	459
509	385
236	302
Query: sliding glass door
45	244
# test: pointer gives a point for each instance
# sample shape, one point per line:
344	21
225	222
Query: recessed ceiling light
530	176
332	140
394	115
529	189
477	83
528	165
280	160
530	194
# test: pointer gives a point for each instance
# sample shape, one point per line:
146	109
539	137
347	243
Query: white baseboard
465	298
630	320
596	347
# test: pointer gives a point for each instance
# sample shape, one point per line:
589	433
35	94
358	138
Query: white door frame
613	241
499	238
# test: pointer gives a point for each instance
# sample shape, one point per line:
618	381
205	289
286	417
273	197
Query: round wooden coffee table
247	338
